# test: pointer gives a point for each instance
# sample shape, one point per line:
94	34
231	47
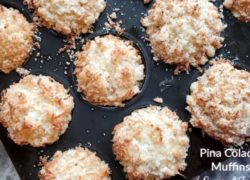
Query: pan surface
91	126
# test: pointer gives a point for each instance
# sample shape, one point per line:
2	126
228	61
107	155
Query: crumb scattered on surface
158	100
113	15
114	23
22	71
147	1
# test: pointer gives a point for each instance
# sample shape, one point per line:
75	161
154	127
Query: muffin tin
91	126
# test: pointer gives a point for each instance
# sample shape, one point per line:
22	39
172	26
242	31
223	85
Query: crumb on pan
114	23
77	163
66	16
22	71
36	110
151	143
113	15
16	37
109	71
116	9
239	8
220	103
184	33
158	100
146	1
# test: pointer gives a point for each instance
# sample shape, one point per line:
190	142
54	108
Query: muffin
36	110
184	33
66	16
77	163
239	8
151	143
220	103
109	71
16	39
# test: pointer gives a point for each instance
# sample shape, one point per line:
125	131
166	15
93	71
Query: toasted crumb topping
66	16
220	103
16	37
78	163
36	110
184	32
109	71
239	8
151	143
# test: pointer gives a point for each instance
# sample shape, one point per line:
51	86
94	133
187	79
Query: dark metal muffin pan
91	126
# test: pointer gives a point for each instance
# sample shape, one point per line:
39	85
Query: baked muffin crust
78	163
220	103
109	71
66	16
16	39
239	8
184	32
36	110
151	143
